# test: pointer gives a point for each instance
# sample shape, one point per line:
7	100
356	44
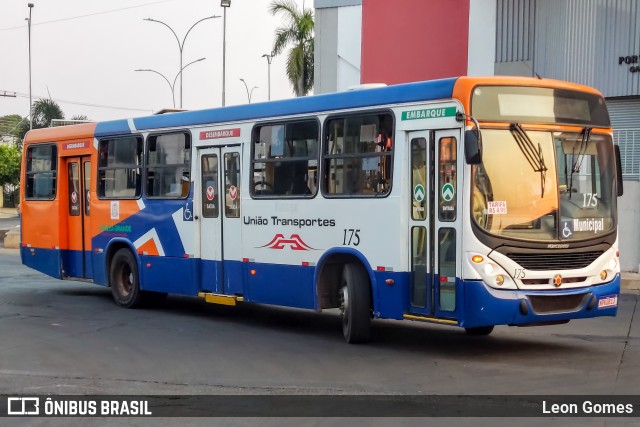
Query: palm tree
298	31
44	111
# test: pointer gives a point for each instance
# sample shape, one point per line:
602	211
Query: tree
44	110
9	165
9	125
298	31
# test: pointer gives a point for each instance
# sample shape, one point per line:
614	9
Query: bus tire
479	330
124	279
355	304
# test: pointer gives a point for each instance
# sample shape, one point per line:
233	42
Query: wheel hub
344	300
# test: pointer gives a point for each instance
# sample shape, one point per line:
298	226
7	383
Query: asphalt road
69	338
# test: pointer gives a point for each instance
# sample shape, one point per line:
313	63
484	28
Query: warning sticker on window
497	207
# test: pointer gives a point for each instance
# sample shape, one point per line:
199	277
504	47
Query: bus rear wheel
479	331
355	304
124	279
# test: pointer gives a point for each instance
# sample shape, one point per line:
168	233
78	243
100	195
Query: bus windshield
566	192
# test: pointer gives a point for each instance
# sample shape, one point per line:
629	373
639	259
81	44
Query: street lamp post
172	86
181	44
30	96
269	59
249	93
224	4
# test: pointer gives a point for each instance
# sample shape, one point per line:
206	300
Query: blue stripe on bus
47	261
293	286
410	92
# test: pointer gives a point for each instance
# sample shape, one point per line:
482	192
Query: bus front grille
542	304
563	261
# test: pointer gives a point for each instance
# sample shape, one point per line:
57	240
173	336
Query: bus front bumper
486	306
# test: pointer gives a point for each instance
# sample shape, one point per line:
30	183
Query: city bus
467	201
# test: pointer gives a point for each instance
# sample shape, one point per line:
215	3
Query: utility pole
269	59
30	96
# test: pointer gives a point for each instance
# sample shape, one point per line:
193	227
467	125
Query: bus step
220	298
430	319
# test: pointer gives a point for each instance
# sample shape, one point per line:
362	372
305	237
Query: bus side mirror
473	146
618	170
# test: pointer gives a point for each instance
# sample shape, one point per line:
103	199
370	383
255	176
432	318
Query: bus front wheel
124	279
355	304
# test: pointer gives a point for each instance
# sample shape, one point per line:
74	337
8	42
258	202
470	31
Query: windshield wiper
577	159
534	156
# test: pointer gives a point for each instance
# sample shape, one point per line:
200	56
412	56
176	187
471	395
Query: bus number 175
351	237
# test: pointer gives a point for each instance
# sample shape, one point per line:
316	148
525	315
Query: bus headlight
613	264
492	273
488	269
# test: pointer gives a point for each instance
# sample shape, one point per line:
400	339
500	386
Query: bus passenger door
434	223
77	260
421	223
447	216
220	249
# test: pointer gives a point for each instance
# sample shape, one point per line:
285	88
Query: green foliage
298	31
9	165
9	125
44	110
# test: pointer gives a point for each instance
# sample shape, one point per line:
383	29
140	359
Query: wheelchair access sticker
187	212
566	229
607	301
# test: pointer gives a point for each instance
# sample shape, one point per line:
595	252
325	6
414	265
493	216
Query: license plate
608	301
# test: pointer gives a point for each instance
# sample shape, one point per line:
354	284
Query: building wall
628	220
338	38
325	50
579	41
413	40
349	32
481	54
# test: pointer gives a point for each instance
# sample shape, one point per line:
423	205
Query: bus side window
41	173
119	166
285	159
358	155
169	165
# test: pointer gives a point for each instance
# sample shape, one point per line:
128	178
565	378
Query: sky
84	53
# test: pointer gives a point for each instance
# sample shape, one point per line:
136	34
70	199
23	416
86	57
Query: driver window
285	160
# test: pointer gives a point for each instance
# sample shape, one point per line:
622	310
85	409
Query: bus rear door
434	223
77	258
220	230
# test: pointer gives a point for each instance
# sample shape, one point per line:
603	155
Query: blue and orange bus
469	202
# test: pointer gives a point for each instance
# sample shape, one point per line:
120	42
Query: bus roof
60	133
429	90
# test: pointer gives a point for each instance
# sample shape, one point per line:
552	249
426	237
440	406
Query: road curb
12	239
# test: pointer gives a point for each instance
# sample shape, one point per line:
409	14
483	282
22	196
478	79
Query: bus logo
448	192
294	242
233	192
557	280
210	193
418	193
